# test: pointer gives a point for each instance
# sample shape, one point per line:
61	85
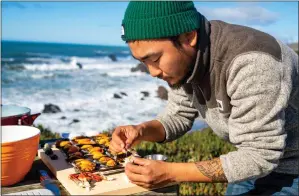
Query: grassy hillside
46	133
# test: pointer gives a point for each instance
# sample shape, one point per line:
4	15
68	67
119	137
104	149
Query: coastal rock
80	66
162	93
51	108
75	121
112	57
116	96
140	67
145	93
123	93
16	67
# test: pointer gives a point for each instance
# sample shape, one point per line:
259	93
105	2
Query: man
241	81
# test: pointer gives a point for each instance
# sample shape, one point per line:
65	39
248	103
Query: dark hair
175	41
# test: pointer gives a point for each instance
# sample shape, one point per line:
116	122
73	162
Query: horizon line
55	42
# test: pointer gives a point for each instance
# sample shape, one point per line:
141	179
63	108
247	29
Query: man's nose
154	71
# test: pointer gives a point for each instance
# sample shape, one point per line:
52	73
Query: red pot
16	115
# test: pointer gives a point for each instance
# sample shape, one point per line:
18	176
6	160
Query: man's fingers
117	138
144	185
115	147
135	177
129	143
140	161
135	168
149	186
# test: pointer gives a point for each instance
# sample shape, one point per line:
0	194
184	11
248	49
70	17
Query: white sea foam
124	73
42	75
7	59
101	52
98	110
49	67
38	54
87	63
38	59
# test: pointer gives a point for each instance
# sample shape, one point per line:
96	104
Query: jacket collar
202	62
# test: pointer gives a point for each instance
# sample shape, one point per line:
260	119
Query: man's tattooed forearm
212	169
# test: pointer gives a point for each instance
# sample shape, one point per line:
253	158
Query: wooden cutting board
61	169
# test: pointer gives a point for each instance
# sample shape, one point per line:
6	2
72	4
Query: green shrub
196	146
46	133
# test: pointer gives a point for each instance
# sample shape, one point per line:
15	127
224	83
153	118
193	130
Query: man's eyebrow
146	56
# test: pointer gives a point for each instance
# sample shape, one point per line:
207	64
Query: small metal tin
158	157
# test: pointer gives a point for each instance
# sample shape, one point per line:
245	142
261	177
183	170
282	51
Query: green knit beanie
159	19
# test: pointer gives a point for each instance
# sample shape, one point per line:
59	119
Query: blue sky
100	22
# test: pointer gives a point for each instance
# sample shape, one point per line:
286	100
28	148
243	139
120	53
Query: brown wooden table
31	181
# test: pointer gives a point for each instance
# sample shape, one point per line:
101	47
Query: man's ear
189	38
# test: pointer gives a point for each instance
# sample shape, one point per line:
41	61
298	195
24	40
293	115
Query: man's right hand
125	137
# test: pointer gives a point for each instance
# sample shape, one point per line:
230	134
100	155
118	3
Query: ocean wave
7	59
42	75
54	67
87	60
109	54
13	67
101	52
124	73
127	58
36	59
85	63
37	54
49	67
7	81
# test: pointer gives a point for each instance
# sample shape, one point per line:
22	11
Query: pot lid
13	110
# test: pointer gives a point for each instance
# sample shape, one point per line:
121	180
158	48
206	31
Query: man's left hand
148	173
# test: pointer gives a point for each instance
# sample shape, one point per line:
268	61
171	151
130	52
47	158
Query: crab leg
74	178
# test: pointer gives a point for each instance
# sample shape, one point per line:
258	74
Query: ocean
82	81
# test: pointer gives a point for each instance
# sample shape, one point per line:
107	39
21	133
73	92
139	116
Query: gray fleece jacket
245	86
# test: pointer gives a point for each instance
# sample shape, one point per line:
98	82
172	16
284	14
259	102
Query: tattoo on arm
212	169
